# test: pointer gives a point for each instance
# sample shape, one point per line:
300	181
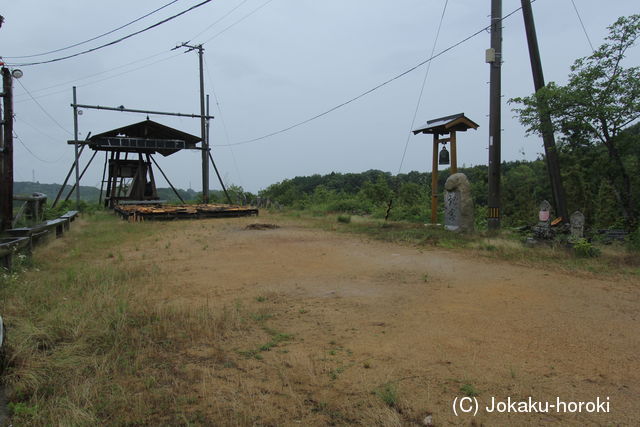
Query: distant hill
90	194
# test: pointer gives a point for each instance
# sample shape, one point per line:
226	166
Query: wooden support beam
434	182
454	153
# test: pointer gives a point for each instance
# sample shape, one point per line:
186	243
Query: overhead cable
42	108
582	24
218	20
238	21
373	89
121	39
424	81
96	37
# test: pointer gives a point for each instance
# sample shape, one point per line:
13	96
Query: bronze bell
443	159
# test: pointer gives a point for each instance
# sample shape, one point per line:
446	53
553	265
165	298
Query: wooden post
6	186
454	153
434	181
495	131
104	172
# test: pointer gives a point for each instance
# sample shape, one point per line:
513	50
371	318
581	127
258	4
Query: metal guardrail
23	239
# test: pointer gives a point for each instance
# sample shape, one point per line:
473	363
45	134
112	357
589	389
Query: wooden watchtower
129	154
444	126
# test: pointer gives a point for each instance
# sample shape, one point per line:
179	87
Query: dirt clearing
348	330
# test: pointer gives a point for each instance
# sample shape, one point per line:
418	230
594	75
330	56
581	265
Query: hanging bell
444	156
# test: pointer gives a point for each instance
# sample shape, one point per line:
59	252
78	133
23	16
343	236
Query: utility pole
551	153
75	146
203	131
6	187
494	58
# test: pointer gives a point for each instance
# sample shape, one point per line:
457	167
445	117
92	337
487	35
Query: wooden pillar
454	153
6	184
434	181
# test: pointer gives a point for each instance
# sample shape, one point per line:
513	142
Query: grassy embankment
508	245
84	345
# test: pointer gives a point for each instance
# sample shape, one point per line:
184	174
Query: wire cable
367	92
21	119
65	83
415	112
96	37
109	77
238	21
582	24
217	21
424	81
224	125
15	135
121	39
43	109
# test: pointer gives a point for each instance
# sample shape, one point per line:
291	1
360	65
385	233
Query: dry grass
84	345
615	259
99	333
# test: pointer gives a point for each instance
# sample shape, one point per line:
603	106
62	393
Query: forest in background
524	185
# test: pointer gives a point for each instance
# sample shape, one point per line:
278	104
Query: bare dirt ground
350	330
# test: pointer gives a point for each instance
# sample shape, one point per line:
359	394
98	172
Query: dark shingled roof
146	137
442	125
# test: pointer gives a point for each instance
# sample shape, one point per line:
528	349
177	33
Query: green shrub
634	240
345	219
584	249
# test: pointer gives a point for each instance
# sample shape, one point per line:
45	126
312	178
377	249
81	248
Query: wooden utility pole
494	58
551	153
6	187
75	146
203	125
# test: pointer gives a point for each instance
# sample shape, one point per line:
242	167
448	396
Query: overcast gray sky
284	63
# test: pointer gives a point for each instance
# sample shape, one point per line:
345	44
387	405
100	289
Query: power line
42	108
238	21
96	37
217	21
110	77
25	64
224	125
424	81
582	24
362	95
15	135
65	83
21	119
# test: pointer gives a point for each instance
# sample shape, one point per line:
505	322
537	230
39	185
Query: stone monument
543	229
458	204
577	225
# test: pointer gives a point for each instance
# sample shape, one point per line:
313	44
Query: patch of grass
334	373
275	339
260	317
22	410
85	328
261	298
388	393
469	390
345	219
506	245
584	249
